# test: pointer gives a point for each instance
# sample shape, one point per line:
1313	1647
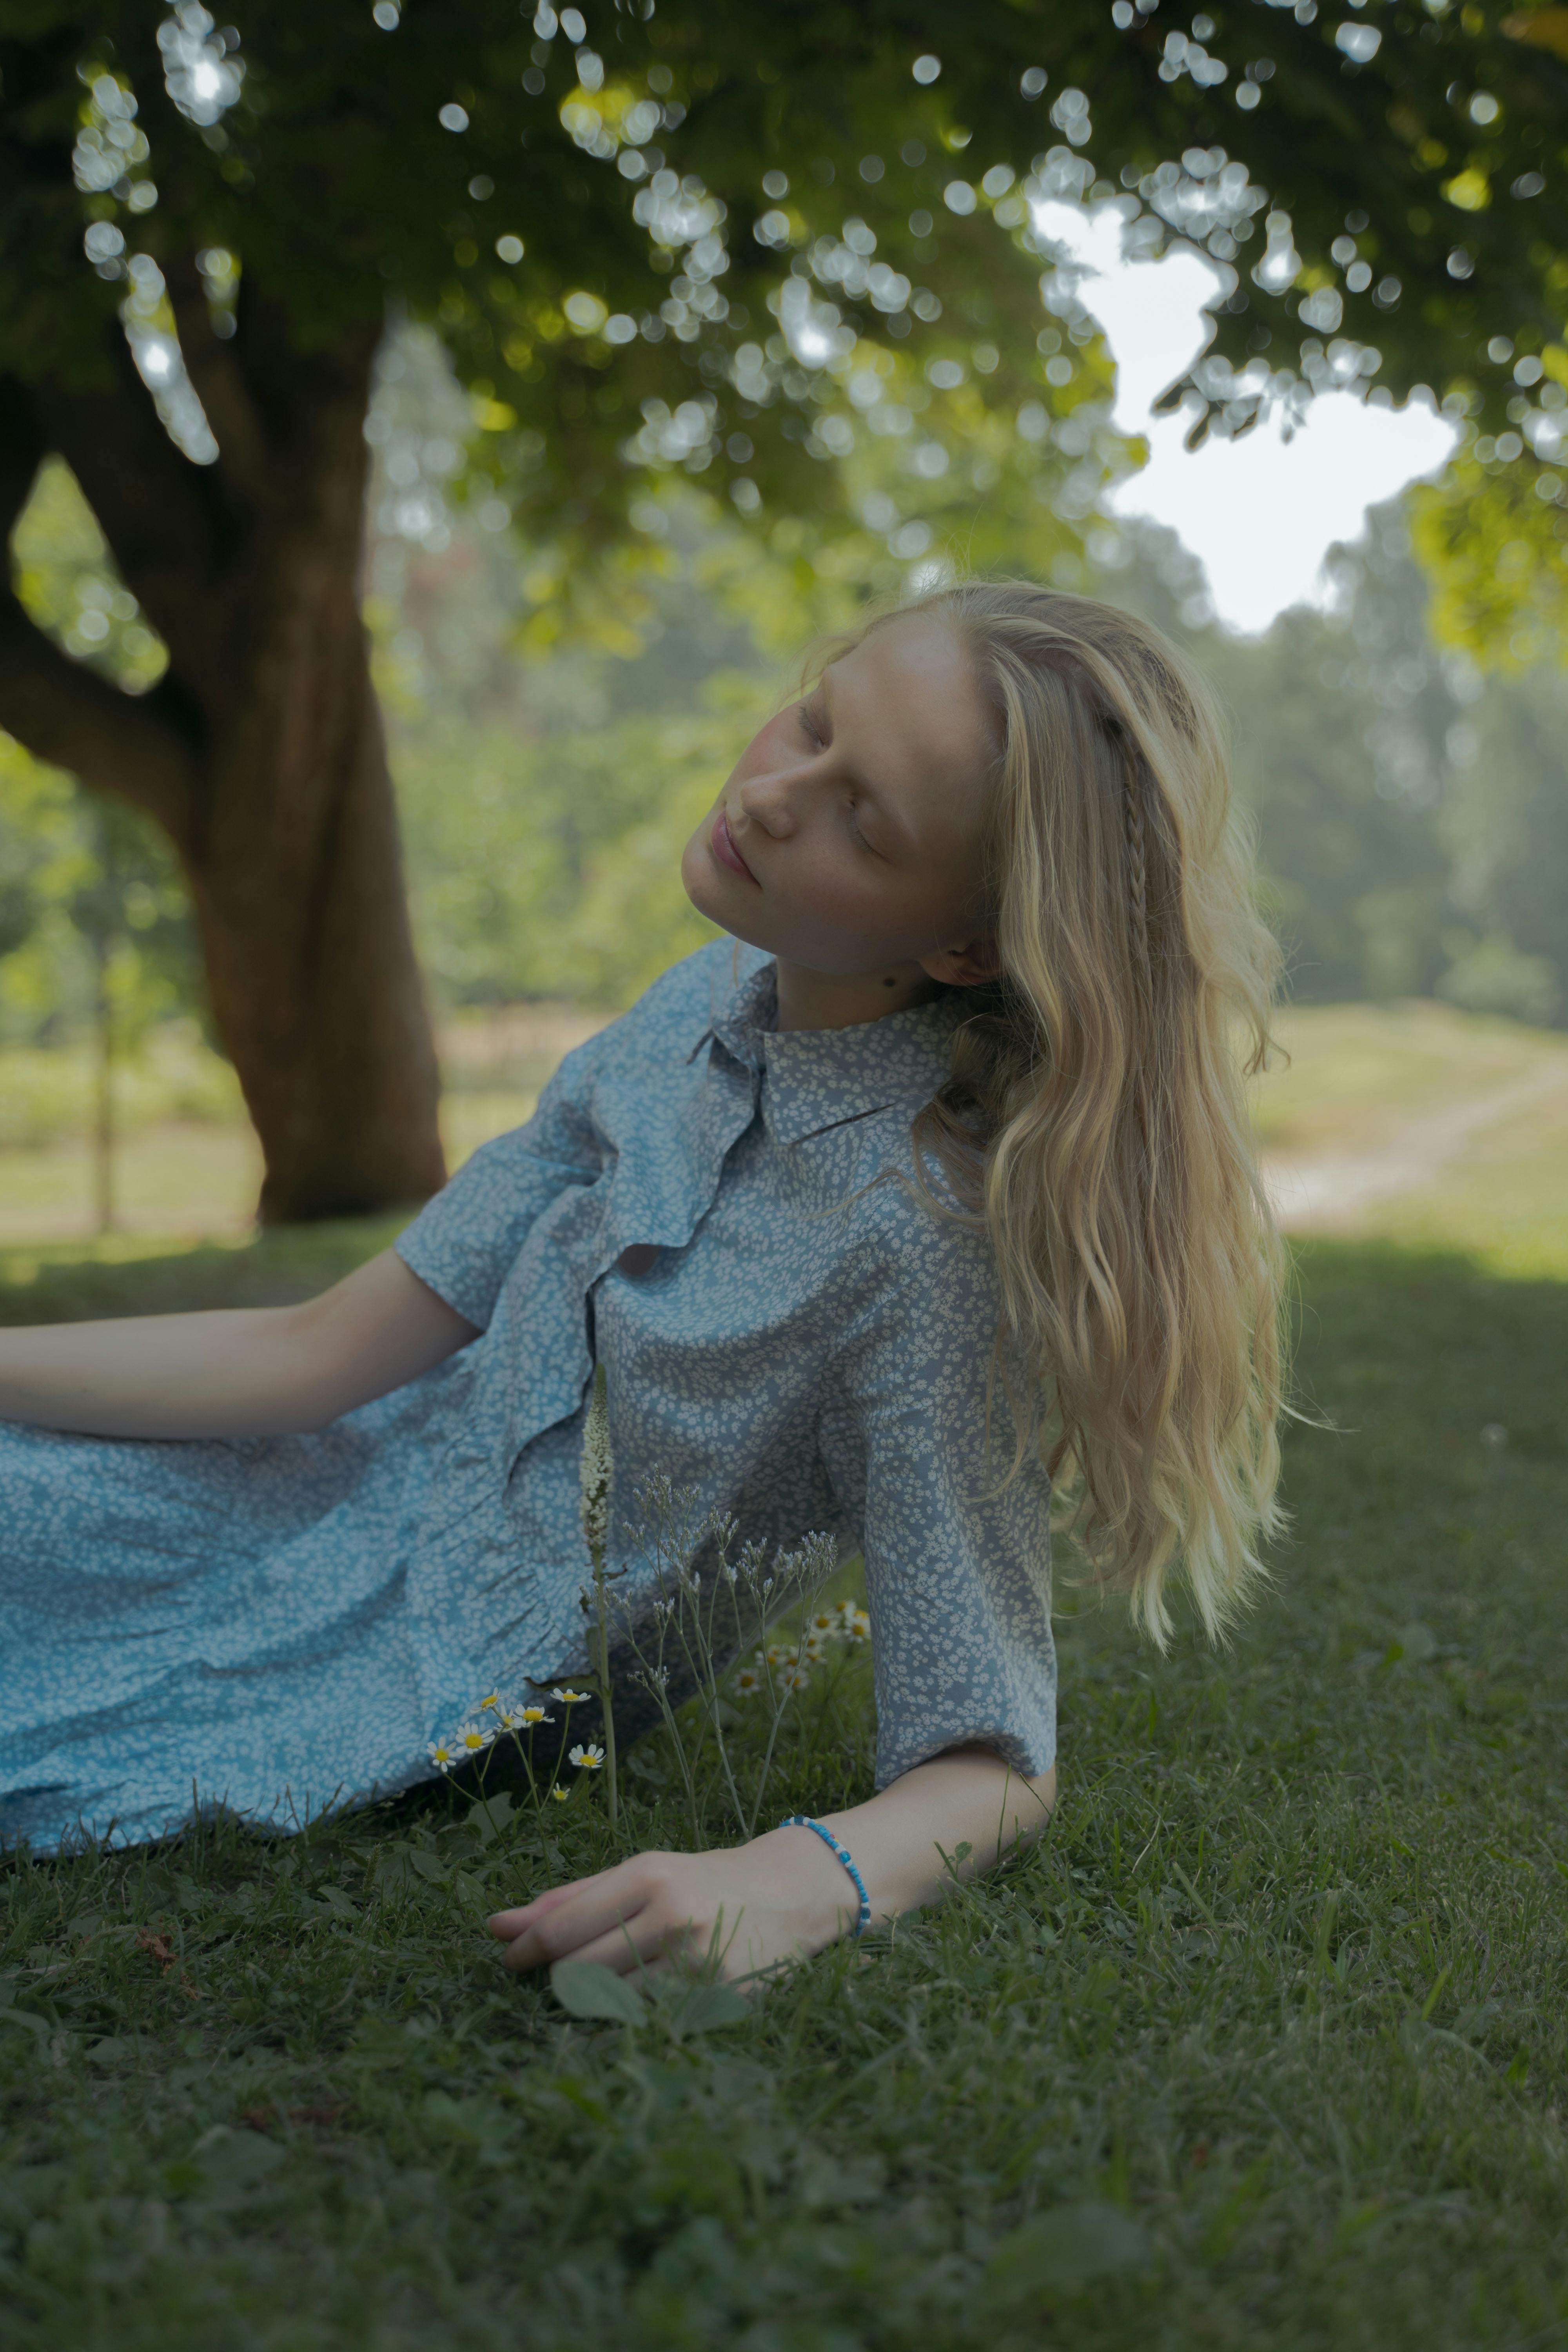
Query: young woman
928	1185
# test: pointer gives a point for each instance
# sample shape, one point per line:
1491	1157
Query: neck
820	1000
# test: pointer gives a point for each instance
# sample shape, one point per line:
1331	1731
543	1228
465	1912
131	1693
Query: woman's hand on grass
786	1894
749	1906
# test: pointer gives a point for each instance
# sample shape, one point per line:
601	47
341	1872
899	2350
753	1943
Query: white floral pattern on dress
289	1622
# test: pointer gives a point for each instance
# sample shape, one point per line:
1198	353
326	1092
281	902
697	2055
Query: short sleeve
957	1558
464	1243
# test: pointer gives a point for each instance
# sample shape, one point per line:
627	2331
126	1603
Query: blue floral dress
282	1624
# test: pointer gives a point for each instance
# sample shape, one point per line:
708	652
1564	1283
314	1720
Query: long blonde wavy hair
1096	1117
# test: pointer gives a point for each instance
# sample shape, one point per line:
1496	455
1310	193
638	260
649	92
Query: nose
767	802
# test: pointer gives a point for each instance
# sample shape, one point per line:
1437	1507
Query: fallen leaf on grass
322	2116
225	2168
157	1949
335	1903
1063	2250
114	2049
587	1988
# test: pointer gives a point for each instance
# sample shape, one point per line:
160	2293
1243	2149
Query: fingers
624	1917
626	1949
508	1923
567	1919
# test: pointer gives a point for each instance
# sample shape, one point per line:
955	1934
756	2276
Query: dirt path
1320	1191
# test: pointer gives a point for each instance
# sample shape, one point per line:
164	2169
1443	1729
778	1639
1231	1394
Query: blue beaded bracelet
804	1822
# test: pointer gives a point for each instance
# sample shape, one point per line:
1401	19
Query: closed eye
809	727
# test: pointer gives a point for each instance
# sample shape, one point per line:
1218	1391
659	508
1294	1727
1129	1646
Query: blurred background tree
741	311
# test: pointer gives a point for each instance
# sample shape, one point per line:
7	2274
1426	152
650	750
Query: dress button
638	1259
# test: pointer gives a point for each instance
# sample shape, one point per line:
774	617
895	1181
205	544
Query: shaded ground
1265	2047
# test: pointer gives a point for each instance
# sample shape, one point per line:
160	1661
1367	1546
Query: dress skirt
189	1626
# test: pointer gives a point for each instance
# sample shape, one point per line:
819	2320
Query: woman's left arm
787	1896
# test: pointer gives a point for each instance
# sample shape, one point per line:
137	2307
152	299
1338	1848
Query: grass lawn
186	1163
1263	2047
1473	1112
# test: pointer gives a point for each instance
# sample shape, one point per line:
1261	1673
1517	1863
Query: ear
965	966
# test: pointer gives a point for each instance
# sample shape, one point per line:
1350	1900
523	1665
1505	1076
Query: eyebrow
896	824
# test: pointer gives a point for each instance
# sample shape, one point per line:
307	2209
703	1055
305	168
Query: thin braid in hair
1137	843
1138	868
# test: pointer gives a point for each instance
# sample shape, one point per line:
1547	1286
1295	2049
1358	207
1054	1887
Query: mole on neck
808	999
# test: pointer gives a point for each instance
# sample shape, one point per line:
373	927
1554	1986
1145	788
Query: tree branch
220	386
21	454
162	515
141	746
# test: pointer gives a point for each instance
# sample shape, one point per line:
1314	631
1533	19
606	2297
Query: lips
722	843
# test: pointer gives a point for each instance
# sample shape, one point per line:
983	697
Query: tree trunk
103	1087
297	879
261	751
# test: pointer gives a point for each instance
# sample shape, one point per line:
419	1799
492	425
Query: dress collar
818	1078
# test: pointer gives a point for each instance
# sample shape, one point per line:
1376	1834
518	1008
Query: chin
705	888
699	882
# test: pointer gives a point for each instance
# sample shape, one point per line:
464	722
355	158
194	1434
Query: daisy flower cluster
493	1717
679	1624
788	1666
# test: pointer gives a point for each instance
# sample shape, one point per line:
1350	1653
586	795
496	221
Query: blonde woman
928	1187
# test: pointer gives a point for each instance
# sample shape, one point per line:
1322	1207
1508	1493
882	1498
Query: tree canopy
789	256
678	219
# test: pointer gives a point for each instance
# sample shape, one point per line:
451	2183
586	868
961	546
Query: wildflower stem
595	1490
561	1751
602	1606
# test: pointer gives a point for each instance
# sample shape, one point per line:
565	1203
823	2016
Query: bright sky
1259	513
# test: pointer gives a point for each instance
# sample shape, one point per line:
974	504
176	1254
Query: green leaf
428	1865
587	1988
390	1873
225	2165
333	1899
114	2051
1066	2249
490	1814
25	2017
699	2007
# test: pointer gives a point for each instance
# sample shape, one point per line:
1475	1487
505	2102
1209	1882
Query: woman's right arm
253	1372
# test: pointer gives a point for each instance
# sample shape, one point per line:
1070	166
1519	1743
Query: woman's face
847	839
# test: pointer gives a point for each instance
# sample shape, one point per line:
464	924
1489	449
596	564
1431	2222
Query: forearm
219	1374
786	1894
265	1371
909	1839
